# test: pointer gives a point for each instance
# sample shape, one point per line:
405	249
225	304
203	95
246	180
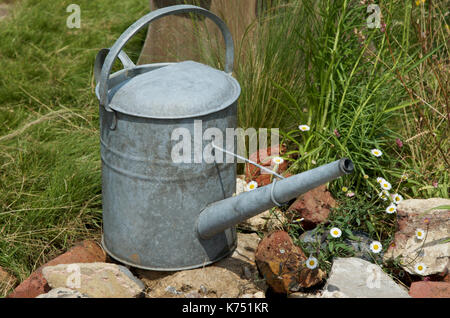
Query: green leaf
330	247
370	227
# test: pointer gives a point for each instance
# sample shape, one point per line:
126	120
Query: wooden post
182	37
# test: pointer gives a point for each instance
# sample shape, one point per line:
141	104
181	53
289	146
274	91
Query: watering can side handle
100	60
115	51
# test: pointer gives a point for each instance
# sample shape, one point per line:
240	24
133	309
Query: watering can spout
226	213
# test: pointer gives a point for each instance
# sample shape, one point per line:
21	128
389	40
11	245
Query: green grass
362	89
50	182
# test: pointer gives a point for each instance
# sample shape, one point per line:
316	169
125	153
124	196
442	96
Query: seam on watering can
203	264
224	105
148	178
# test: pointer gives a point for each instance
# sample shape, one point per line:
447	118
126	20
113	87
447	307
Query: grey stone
356	278
63	293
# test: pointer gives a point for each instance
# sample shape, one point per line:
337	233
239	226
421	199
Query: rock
96	280
7	281
282	264
411	215
63	293
256	295
430	290
231	277
314	206
240	185
265	221
357	278
360	243
320	294
35	284
264	157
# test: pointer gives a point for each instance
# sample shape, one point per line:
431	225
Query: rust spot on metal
136	259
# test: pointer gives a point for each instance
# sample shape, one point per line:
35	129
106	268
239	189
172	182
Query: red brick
261	157
314	206
430	290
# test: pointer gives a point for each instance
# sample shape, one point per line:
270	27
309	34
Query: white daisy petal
376	247
386	185
391	209
311	262
303	127
420	234
251	186
277	160
376	152
380	180
335	232
383	195
397	198
420	268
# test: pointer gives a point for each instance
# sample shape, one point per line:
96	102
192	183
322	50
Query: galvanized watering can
159	214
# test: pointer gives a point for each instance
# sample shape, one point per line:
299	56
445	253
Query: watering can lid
179	90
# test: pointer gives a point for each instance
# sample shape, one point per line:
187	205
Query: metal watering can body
164	215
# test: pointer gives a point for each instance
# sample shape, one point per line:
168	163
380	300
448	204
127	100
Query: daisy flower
420	234
277	160
380	180
420	268
383	195
252	186
311	262
397	198
404	177
335	232
303	127
391	209
376	247
385	185
376	152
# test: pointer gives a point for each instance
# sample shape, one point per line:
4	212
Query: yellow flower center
311	263
335	232
391	210
420	267
252	186
419	233
375	247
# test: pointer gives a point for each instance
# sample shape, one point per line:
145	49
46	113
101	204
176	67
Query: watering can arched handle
116	50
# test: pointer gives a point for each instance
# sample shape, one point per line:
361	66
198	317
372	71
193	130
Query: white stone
434	249
62	293
96	280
